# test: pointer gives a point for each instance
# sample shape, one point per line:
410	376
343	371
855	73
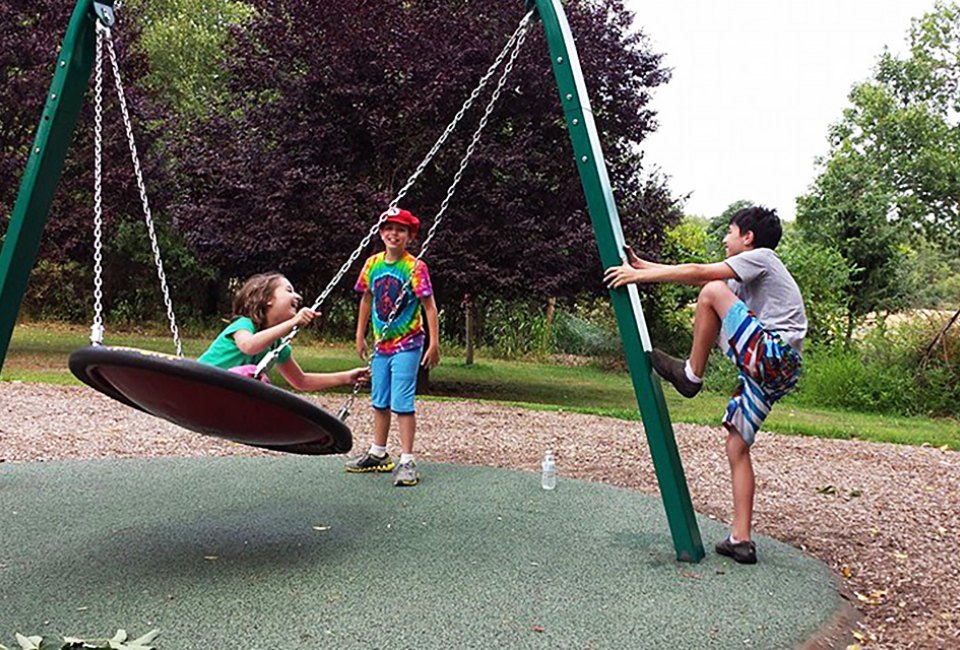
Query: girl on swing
265	309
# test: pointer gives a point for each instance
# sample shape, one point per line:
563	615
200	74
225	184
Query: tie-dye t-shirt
384	280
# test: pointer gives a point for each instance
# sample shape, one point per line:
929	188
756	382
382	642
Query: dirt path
885	517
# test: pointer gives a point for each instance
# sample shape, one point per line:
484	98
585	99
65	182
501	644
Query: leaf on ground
853	646
538	628
28	642
146	638
211	558
874	598
321	527
826	489
691	574
899	555
857	492
846	572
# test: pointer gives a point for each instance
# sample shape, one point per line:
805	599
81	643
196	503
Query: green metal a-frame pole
64	99
626	301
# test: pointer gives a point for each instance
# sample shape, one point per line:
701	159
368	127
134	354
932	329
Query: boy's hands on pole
618	276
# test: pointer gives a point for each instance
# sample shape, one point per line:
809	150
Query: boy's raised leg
713	303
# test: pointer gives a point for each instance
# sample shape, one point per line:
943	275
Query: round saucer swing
207	399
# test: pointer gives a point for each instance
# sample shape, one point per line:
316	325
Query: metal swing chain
344	410
96	330
518	35
148	218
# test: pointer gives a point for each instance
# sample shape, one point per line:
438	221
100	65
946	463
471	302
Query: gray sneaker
672	370
407	474
370	463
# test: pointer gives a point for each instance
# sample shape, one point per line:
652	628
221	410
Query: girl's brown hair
253	298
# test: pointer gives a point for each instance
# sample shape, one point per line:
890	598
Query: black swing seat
211	401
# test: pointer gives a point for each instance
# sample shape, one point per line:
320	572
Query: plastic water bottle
549	478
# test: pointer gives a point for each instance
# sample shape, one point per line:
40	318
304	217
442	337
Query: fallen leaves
875	597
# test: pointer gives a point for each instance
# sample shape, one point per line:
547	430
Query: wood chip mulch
886	518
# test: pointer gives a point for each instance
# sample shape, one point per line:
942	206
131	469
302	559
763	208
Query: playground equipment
59	118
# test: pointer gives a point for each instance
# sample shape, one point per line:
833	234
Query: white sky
755	86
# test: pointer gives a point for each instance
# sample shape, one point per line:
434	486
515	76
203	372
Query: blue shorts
393	380
769	369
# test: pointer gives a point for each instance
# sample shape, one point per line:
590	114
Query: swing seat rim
127	375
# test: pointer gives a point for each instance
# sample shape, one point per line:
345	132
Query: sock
405	458
689	372
377	450
734	540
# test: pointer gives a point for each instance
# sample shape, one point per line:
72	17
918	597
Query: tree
30	34
717	229
334	109
185	42
893	170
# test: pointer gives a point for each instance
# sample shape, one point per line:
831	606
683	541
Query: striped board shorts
769	369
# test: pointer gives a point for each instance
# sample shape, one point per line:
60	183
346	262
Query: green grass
38	353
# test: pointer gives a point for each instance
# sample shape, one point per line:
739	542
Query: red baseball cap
404	218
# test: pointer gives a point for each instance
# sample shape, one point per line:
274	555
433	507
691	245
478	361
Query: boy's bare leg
714	302
744	485
408	429
381	426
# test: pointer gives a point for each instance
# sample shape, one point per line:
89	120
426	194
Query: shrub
59	291
885	372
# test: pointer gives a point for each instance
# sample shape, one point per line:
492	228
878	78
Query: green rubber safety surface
293	552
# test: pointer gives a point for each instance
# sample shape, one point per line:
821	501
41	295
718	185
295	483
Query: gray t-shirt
770	292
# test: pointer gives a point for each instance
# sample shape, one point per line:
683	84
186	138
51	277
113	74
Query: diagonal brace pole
626	301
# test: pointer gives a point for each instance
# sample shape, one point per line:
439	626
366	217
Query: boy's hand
633	259
304	316
359	375
617	276
431	358
362	347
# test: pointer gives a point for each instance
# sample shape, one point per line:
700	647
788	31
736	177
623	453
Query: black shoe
742	552
672	370
370	463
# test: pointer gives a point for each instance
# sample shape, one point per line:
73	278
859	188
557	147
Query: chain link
148	218
96	330
344	410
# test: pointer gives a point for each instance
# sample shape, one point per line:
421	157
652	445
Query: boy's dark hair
763	222
254	296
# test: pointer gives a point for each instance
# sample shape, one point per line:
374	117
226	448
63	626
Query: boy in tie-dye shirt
388	278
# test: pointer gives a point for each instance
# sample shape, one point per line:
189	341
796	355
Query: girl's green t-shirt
224	353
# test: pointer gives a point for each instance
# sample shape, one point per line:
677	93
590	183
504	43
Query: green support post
626	301
45	164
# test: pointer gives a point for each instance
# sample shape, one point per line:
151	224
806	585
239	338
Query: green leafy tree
186	44
824	277
717	228
893	170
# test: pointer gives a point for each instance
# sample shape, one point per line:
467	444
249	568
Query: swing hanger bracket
105	15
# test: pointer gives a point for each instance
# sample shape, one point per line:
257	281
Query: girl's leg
743	482
714	302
